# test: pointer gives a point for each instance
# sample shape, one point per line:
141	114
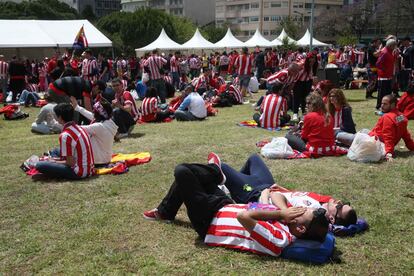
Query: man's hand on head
289	214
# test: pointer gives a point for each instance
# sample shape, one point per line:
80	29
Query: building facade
247	16
201	12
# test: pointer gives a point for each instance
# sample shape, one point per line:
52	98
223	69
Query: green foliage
347	40
38	9
291	27
88	13
287	45
213	33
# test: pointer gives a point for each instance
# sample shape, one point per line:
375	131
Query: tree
291	27
213	33
88	13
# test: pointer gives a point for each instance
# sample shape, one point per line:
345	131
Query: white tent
305	40
198	42
229	41
48	33
258	40
282	36
163	42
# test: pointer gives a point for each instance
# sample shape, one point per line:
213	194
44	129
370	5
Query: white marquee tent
48	33
305	40
229	41
163	42
258	40
281	37
198	42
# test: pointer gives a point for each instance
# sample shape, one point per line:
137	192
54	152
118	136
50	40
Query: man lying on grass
220	222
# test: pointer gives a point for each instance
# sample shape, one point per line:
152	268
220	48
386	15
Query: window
285	4
308	5
252	32
277	4
275	18
273	32
254	5
298	5
266	18
266	5
254	19
265	32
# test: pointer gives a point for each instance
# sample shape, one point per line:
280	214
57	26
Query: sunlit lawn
96	225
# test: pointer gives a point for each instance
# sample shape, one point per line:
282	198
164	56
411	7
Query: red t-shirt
406	105
316	132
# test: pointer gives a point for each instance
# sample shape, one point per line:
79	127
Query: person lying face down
254	183
220	222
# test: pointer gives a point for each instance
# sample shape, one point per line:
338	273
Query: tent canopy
48	33
305	40
258	40
283	35
229	41
163	42
198	42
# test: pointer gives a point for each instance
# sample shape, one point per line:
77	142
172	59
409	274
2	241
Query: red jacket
385	64
406	105
316	133
390	128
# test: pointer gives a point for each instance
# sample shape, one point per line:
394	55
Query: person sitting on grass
76	158
341	112
273	110
323	88
101	131
46	122
29	95
125	112
192	108
220	222
255	183
150	110
316	135
406	103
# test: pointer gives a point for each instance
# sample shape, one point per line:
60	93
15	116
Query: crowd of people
93	102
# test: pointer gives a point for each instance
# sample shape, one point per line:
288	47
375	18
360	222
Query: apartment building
246	16
201	12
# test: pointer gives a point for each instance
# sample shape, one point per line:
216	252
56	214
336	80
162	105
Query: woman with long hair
303	85
316	135
341	112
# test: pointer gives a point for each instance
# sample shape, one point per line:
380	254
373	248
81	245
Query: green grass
96	226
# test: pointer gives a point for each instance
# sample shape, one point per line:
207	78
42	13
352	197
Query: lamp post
311	24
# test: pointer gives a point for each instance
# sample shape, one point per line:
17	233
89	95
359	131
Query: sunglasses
338	207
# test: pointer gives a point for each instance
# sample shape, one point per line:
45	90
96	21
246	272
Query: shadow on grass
136	135
44	179
403	154
356	100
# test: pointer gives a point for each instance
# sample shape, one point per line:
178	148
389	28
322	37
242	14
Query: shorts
244	81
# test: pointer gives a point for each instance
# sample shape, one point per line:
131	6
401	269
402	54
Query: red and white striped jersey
124	84
155	63
281	77
127	99
194	63
338	118
243	64
31	87
149	109
4	70
200	82
168	79
174	63
89	69
272	107
236	93
267	237
305	76
74	142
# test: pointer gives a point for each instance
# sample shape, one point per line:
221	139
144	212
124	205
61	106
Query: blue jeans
27	97
176	79
246	186
55	170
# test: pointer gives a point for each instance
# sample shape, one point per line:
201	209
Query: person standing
407	63
372	57
17	74
174	65
89	67
155	65
103	68
243	65
4	77
385	66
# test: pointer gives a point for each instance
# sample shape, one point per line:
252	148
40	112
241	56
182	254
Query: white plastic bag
278	148
366	148
145	77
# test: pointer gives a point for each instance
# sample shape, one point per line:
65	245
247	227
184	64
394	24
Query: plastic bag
366	148
145	77
277	148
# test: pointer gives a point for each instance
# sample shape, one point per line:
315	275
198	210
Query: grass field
96	226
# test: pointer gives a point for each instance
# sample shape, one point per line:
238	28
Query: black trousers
300	91
296	142
384	88
123	120
195	185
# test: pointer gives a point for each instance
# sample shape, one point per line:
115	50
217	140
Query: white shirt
197	106
101	135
